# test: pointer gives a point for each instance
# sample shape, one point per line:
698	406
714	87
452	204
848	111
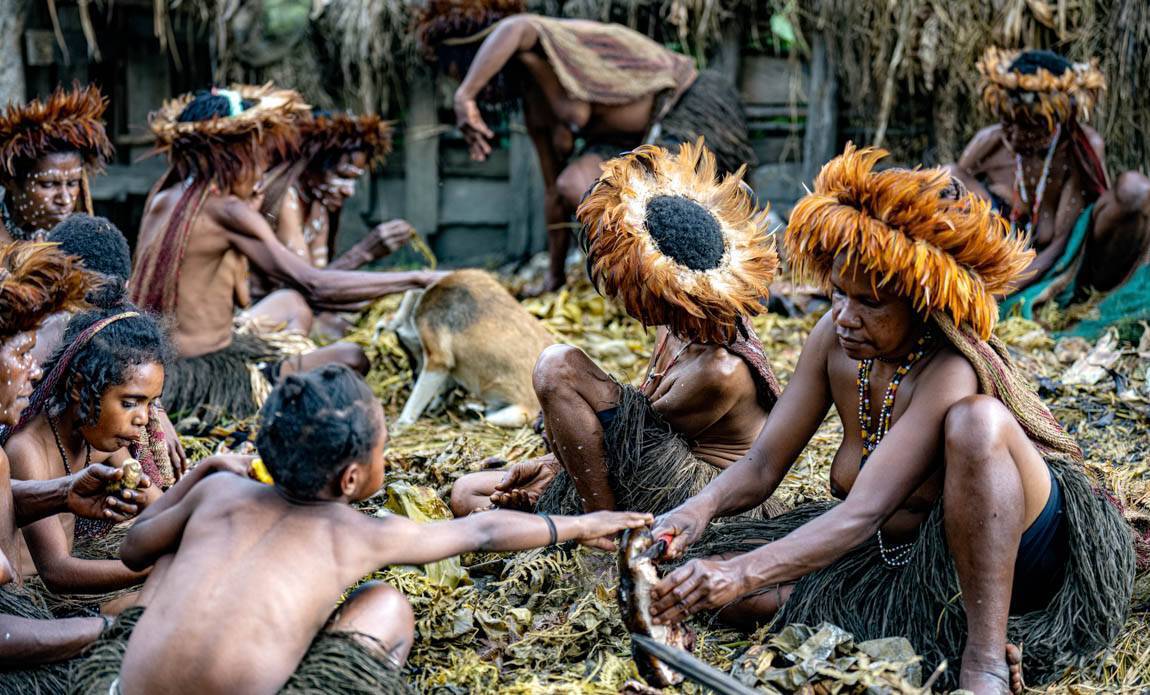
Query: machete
697	670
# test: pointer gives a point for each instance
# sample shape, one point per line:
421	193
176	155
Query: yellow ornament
260	471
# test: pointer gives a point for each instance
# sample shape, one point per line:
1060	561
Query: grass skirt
650	466
336	662
45	679
711	108
922	601
223	381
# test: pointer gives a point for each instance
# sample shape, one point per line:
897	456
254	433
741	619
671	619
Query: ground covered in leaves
547	622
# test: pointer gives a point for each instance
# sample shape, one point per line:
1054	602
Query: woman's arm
30	641
906	458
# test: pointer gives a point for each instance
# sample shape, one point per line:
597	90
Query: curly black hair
101	248
106	360
314	425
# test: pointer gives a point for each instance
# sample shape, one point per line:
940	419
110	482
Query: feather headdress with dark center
66	121
676	245
1036	91
37	280
946	252
227	148
326	136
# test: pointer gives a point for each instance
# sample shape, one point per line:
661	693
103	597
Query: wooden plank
474	202
524	194
421	157
820	140
768	80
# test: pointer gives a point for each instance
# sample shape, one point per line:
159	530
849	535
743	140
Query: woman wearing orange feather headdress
686	252
47	150
954	478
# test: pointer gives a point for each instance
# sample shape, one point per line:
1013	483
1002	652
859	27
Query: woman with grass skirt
966	522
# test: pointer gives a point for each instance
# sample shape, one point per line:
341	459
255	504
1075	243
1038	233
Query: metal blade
697	670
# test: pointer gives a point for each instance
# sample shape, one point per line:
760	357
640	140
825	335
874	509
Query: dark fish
637	576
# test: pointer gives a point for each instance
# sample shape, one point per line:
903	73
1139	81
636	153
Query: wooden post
822	110
11	62
728	54
526	222
421	158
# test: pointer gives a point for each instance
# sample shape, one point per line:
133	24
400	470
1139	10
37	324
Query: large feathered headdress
328	135
676	245
1039	84
70	120
226	148
37	280
459	21
947	253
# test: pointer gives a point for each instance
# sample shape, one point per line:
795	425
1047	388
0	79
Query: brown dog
469	329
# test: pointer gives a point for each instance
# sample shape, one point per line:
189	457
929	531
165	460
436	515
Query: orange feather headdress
676	245
37	280
70	120
949	254
326	135
1010	93
227	148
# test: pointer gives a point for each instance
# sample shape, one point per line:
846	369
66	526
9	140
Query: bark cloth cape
36	280
211	156
67	121
679	247
1019	86
951	258
602	63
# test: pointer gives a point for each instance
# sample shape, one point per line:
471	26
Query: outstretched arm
324	289
400	541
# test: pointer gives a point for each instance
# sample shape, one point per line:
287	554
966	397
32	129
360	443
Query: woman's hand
89	497
598	529
475	131
697	586
523	483
680	527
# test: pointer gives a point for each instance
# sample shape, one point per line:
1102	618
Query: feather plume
66	120
323	136
947	255
1057	98
37	280
227	148
625	262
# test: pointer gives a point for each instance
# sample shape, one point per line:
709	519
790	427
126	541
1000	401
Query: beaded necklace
897	555
1020	185
14	230
63	454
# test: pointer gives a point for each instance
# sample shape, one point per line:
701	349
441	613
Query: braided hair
106	360
313	425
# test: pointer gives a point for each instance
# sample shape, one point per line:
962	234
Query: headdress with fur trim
325	136
676	245
226	148
459	22
1039	84
66	121
947	253
37	280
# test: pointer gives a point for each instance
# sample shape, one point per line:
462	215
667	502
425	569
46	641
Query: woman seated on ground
94	406
967	518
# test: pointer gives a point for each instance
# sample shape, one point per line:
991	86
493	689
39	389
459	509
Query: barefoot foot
1014	662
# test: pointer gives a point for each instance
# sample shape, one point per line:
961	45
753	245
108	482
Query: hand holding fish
89	496
679	527
697	586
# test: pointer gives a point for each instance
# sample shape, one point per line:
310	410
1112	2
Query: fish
637	576
130	480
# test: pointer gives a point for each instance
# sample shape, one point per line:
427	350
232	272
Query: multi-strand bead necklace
896	555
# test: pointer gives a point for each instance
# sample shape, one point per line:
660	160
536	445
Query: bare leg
377	610
996	484
330	326
1121	234
285	308
28	641
348	354
571	184
571	390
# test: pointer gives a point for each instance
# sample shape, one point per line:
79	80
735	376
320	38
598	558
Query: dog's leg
429	385
511	416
